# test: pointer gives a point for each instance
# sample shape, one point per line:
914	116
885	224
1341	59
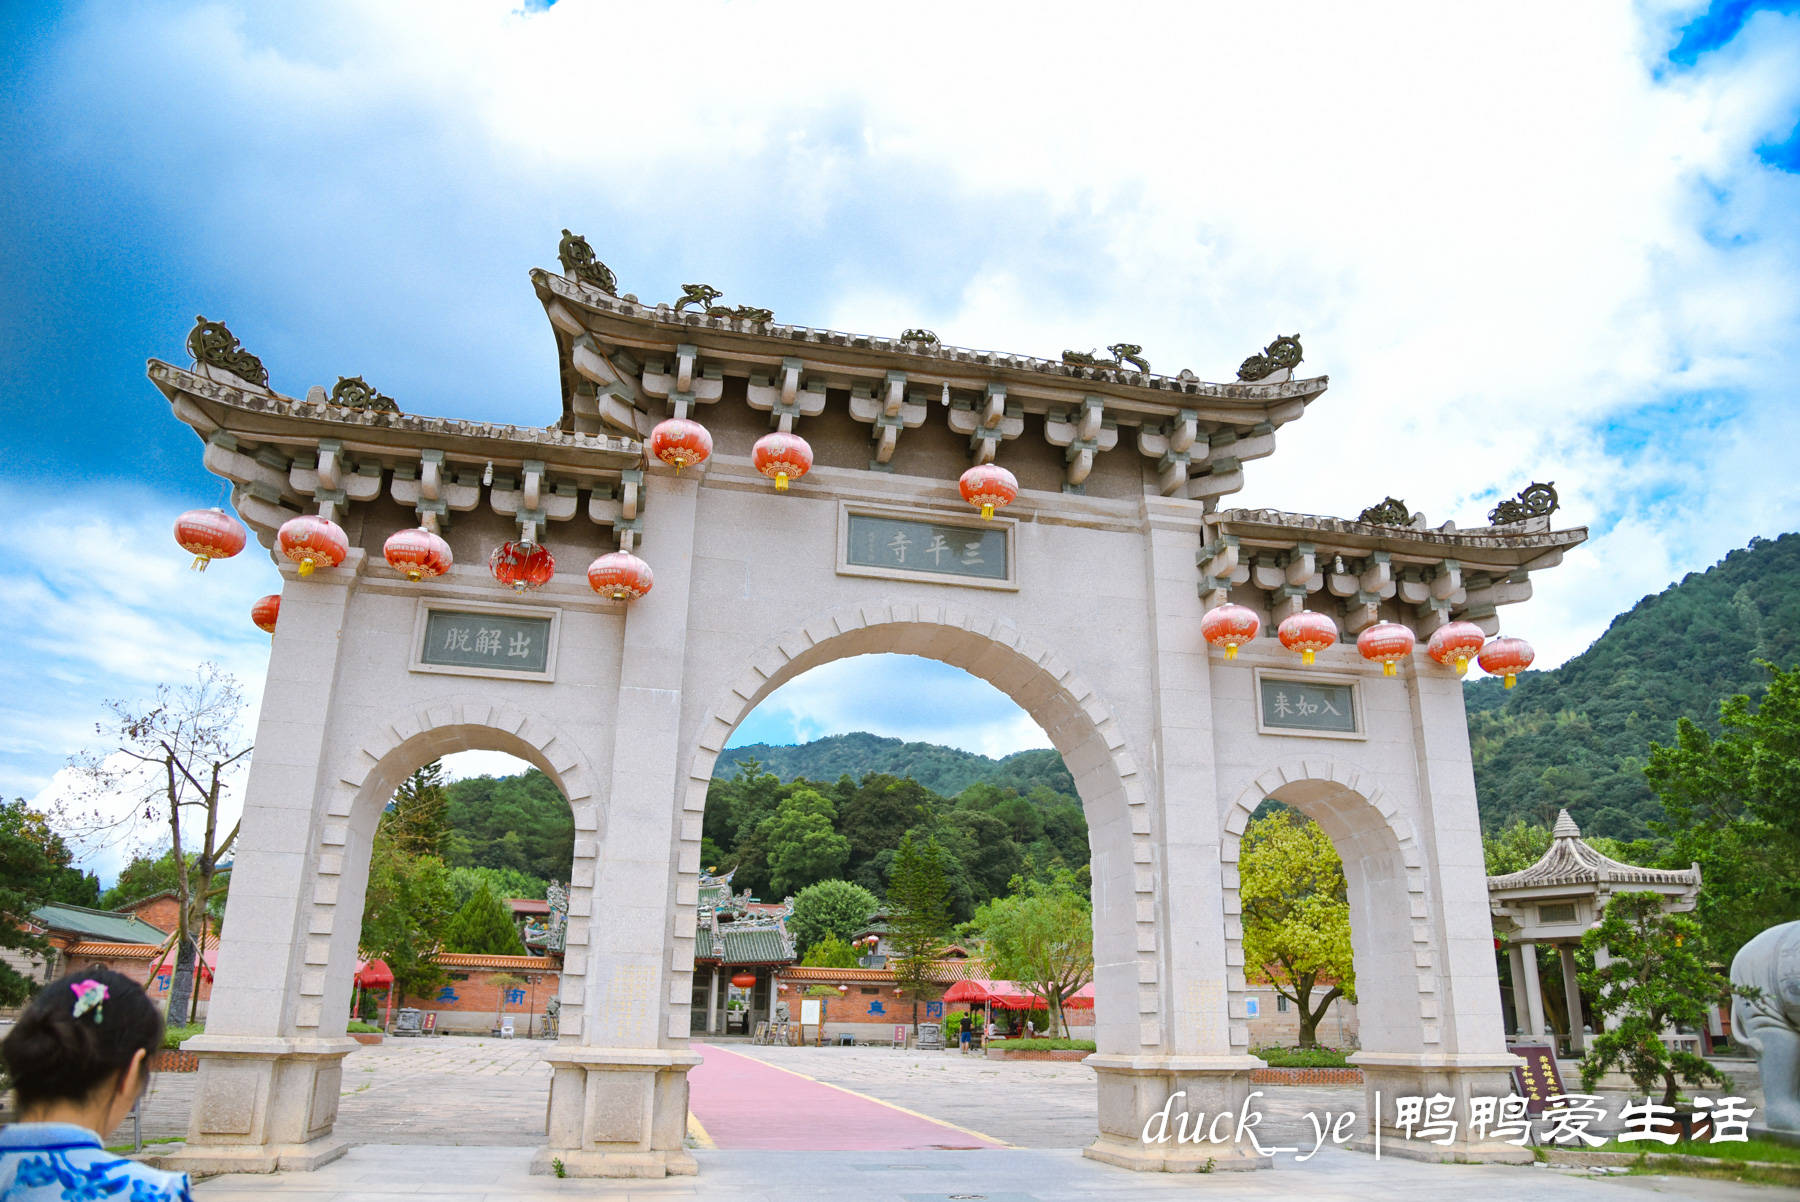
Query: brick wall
162	912
870	1009
470	1001
1274	1026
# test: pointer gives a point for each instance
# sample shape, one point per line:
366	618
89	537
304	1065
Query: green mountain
1578	735
946	771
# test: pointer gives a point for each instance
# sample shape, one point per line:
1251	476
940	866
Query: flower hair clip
89	994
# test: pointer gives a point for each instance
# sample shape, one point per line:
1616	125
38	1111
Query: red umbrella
375	974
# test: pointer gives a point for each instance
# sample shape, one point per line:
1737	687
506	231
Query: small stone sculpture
704	295
1281	354
1121	352
1768	1023
1533	501
919	335
353	392
212	344
1391	512
578	260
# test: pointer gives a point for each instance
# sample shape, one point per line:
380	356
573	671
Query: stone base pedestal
263	1103
1193	1102
1389	1076
617	1112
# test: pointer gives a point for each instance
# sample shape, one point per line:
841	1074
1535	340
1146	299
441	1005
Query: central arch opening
851	764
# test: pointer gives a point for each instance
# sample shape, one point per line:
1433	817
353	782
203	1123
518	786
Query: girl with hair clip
79	1058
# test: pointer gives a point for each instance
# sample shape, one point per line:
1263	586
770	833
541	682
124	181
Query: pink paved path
744	1103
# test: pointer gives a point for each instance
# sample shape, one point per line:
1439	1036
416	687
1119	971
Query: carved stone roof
1572	861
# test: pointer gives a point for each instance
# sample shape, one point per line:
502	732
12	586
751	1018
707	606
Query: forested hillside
944	770
1578	736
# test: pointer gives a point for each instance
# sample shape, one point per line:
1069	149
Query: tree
829	909
483	926
830	952
501	882
418	819
1732	805
34	869
802	841
175	756
918	916
1296	915
502	983
408	904
1656	977
1043	935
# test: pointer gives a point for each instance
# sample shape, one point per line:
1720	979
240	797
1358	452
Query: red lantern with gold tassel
680	443
782	457
208	534
1506	657
620	575
310	540
1386	643
419	553
1230	626
1308	633
1454	644
522	565
988	487
265	612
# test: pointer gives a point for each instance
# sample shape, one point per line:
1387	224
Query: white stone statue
1769	1024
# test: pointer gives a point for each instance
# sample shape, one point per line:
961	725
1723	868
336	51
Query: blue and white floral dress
60	1162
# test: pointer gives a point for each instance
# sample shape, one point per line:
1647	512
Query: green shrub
362	1028
173	1035
1319	1057
1044	1045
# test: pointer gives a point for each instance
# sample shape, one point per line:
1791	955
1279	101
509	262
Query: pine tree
483	926
918	901
419	820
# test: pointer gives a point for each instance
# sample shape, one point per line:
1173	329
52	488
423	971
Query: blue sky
1519	257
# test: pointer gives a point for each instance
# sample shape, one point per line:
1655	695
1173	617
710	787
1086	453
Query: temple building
740	946
1558	900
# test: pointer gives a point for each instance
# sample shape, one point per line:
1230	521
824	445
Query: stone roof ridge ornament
578	260
1281	355
211	344
353	392
1121	352
1534	501
1392	511
1565	826
704	295
920	335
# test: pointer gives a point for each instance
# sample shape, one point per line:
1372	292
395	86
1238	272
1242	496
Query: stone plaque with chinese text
1537	1080
1308	705
502	641
909	545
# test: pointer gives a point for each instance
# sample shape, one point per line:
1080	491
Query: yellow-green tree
1296	915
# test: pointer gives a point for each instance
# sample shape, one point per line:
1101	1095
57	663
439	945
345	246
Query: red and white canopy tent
1011	995
375	974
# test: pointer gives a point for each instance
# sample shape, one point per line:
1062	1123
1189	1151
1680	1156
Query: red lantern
310	540
620	575
989	486
1307	632
743	980
1230	626
1454	644
208	534
1506	657
420	553
522	566
680	443
265	611
1386	643
782	457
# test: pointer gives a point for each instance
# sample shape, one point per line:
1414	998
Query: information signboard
1537	1080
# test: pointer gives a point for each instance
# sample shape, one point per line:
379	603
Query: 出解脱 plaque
911	545
503	642
1308	705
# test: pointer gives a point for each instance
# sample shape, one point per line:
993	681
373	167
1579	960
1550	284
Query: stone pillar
1572	991
1185	1053
1521	1007
1602	957
1534	993
712	1002
618	1089
271	1065
1462	1052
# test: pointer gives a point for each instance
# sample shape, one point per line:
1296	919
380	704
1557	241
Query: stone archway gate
1082	601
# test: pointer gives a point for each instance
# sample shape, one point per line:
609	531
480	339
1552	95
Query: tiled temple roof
1572	861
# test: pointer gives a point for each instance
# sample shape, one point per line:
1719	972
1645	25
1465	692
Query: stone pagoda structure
1084	600
1558	900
